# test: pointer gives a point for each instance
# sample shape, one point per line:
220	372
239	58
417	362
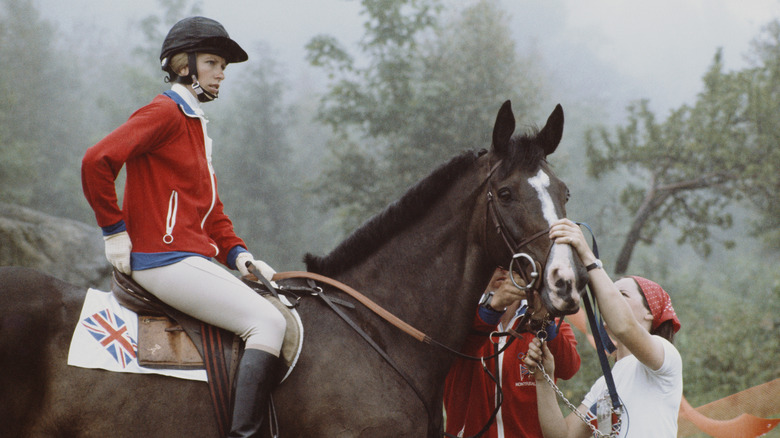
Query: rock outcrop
69	250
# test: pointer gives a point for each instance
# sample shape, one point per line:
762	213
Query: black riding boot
257	376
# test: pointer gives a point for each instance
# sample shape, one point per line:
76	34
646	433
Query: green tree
688	170
364	103
39	86
722	354
762	119
26	49
428	86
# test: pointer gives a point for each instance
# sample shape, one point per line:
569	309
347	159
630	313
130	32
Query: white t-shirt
651	399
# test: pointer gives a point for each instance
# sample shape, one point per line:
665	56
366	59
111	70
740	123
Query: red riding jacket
469	393
170	202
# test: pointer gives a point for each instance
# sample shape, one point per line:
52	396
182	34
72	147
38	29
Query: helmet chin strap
203	95
200	92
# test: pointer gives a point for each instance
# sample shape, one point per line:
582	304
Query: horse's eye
504	194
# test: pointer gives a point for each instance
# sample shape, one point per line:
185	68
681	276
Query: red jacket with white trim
170	201
469	393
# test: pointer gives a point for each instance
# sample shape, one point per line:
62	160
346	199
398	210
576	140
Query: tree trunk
650	204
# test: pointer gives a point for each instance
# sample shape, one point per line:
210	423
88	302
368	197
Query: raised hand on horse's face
508	296
564	231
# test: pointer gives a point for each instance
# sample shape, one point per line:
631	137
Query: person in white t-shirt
638	313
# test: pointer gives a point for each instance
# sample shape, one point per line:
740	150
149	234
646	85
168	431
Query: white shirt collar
191	100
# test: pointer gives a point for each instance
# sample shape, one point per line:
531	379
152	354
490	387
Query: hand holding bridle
505	292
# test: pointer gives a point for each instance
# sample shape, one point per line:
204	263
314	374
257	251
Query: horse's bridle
514	246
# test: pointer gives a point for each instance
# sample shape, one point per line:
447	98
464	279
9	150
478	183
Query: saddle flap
164	344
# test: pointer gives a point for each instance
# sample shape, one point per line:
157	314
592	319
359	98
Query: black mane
398	215
525	153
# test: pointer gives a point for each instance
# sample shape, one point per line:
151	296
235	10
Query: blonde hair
178	62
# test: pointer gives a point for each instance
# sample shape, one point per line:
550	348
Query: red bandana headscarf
659	301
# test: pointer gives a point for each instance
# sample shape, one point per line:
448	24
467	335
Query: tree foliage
430	86
39	125
690	170
762	117
724	351
24	40
252	159
50	114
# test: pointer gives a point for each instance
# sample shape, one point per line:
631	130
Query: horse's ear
503	129
552	132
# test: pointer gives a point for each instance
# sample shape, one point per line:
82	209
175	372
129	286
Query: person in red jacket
172	222
470	393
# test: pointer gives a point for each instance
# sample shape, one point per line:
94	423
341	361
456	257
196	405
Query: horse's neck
426	274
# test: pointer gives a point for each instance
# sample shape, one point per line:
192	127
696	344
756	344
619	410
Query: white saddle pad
105	338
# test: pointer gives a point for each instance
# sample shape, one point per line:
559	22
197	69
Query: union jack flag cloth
105	338
111	332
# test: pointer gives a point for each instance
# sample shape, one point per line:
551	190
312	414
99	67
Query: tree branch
703	181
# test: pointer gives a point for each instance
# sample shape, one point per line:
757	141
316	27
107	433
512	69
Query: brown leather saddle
168	338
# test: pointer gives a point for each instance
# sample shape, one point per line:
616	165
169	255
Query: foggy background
293	183
623	50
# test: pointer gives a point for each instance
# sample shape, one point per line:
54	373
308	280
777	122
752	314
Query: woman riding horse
429	254
172	221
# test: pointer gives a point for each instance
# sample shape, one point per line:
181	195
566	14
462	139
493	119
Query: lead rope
596	432
573	408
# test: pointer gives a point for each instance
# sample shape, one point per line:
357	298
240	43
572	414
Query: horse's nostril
563	286
572	305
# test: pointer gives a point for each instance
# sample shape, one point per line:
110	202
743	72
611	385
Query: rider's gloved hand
118	247
265	270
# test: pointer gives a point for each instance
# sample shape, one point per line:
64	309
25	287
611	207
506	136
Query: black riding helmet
198	34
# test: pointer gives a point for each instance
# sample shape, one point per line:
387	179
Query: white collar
186	94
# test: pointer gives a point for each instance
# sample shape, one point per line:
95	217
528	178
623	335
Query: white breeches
205	290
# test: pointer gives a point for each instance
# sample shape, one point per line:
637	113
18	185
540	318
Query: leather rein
374	307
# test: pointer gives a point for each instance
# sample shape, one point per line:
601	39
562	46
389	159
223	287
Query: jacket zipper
170	221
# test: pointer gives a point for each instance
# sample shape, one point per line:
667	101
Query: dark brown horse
426	258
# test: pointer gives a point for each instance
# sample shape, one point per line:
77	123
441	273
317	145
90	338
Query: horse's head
525	198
